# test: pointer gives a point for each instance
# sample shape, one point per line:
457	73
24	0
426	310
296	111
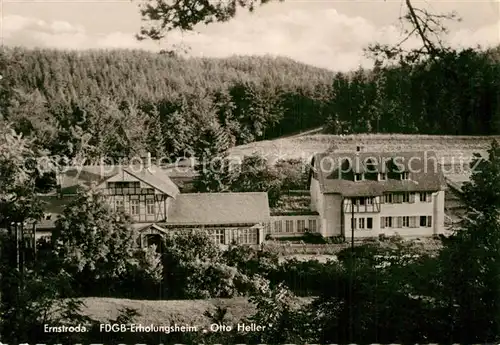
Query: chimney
148	161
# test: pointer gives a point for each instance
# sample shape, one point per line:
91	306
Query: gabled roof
156	178
334	172
151	226
86	175
219	208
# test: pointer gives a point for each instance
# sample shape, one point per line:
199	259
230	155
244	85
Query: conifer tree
215	172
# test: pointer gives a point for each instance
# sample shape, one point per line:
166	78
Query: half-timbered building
156	205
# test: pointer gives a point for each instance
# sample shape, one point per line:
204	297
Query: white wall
316	196
273	230
415	209
438	201
332	215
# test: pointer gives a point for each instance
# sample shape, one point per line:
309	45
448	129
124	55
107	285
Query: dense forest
120	103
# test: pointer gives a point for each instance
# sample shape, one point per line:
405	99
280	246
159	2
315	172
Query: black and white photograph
249	172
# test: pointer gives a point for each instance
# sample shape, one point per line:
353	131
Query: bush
304	278
195	267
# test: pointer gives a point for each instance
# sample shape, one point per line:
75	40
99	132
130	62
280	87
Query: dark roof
334	171
71	178
53	208
86	175
190	209
219	208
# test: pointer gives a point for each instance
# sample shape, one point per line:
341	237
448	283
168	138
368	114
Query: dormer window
371	166
382	176
405	175
358	177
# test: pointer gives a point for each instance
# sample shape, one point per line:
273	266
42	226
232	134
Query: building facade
370	194
156	205
378	194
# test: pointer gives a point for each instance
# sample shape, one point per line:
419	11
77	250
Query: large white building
386	193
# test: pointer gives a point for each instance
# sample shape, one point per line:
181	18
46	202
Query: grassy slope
164	312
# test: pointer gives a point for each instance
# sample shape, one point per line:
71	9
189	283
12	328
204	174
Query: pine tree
156	137
214	168
482	194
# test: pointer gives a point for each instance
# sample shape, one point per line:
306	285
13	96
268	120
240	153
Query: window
218	236
358	177
119	206
369	201
361	201
267	228
425	197
361	223
426	221
371	165
369	223
406	222
386	222
388	198
405	175
301	225
413	222
278	226
312	225
289	226
134	206
382	177
405	197
150	206
248	236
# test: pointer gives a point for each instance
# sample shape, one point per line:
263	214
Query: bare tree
163	16
167	15
418	23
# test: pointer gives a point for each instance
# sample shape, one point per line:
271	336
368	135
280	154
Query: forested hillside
120	103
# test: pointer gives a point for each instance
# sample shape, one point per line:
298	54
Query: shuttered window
278	226
312	225
301	225
413	222
412	197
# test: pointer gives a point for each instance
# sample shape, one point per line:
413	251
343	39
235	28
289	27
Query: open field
449	149
187	312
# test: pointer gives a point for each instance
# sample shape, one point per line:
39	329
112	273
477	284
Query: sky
329	34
